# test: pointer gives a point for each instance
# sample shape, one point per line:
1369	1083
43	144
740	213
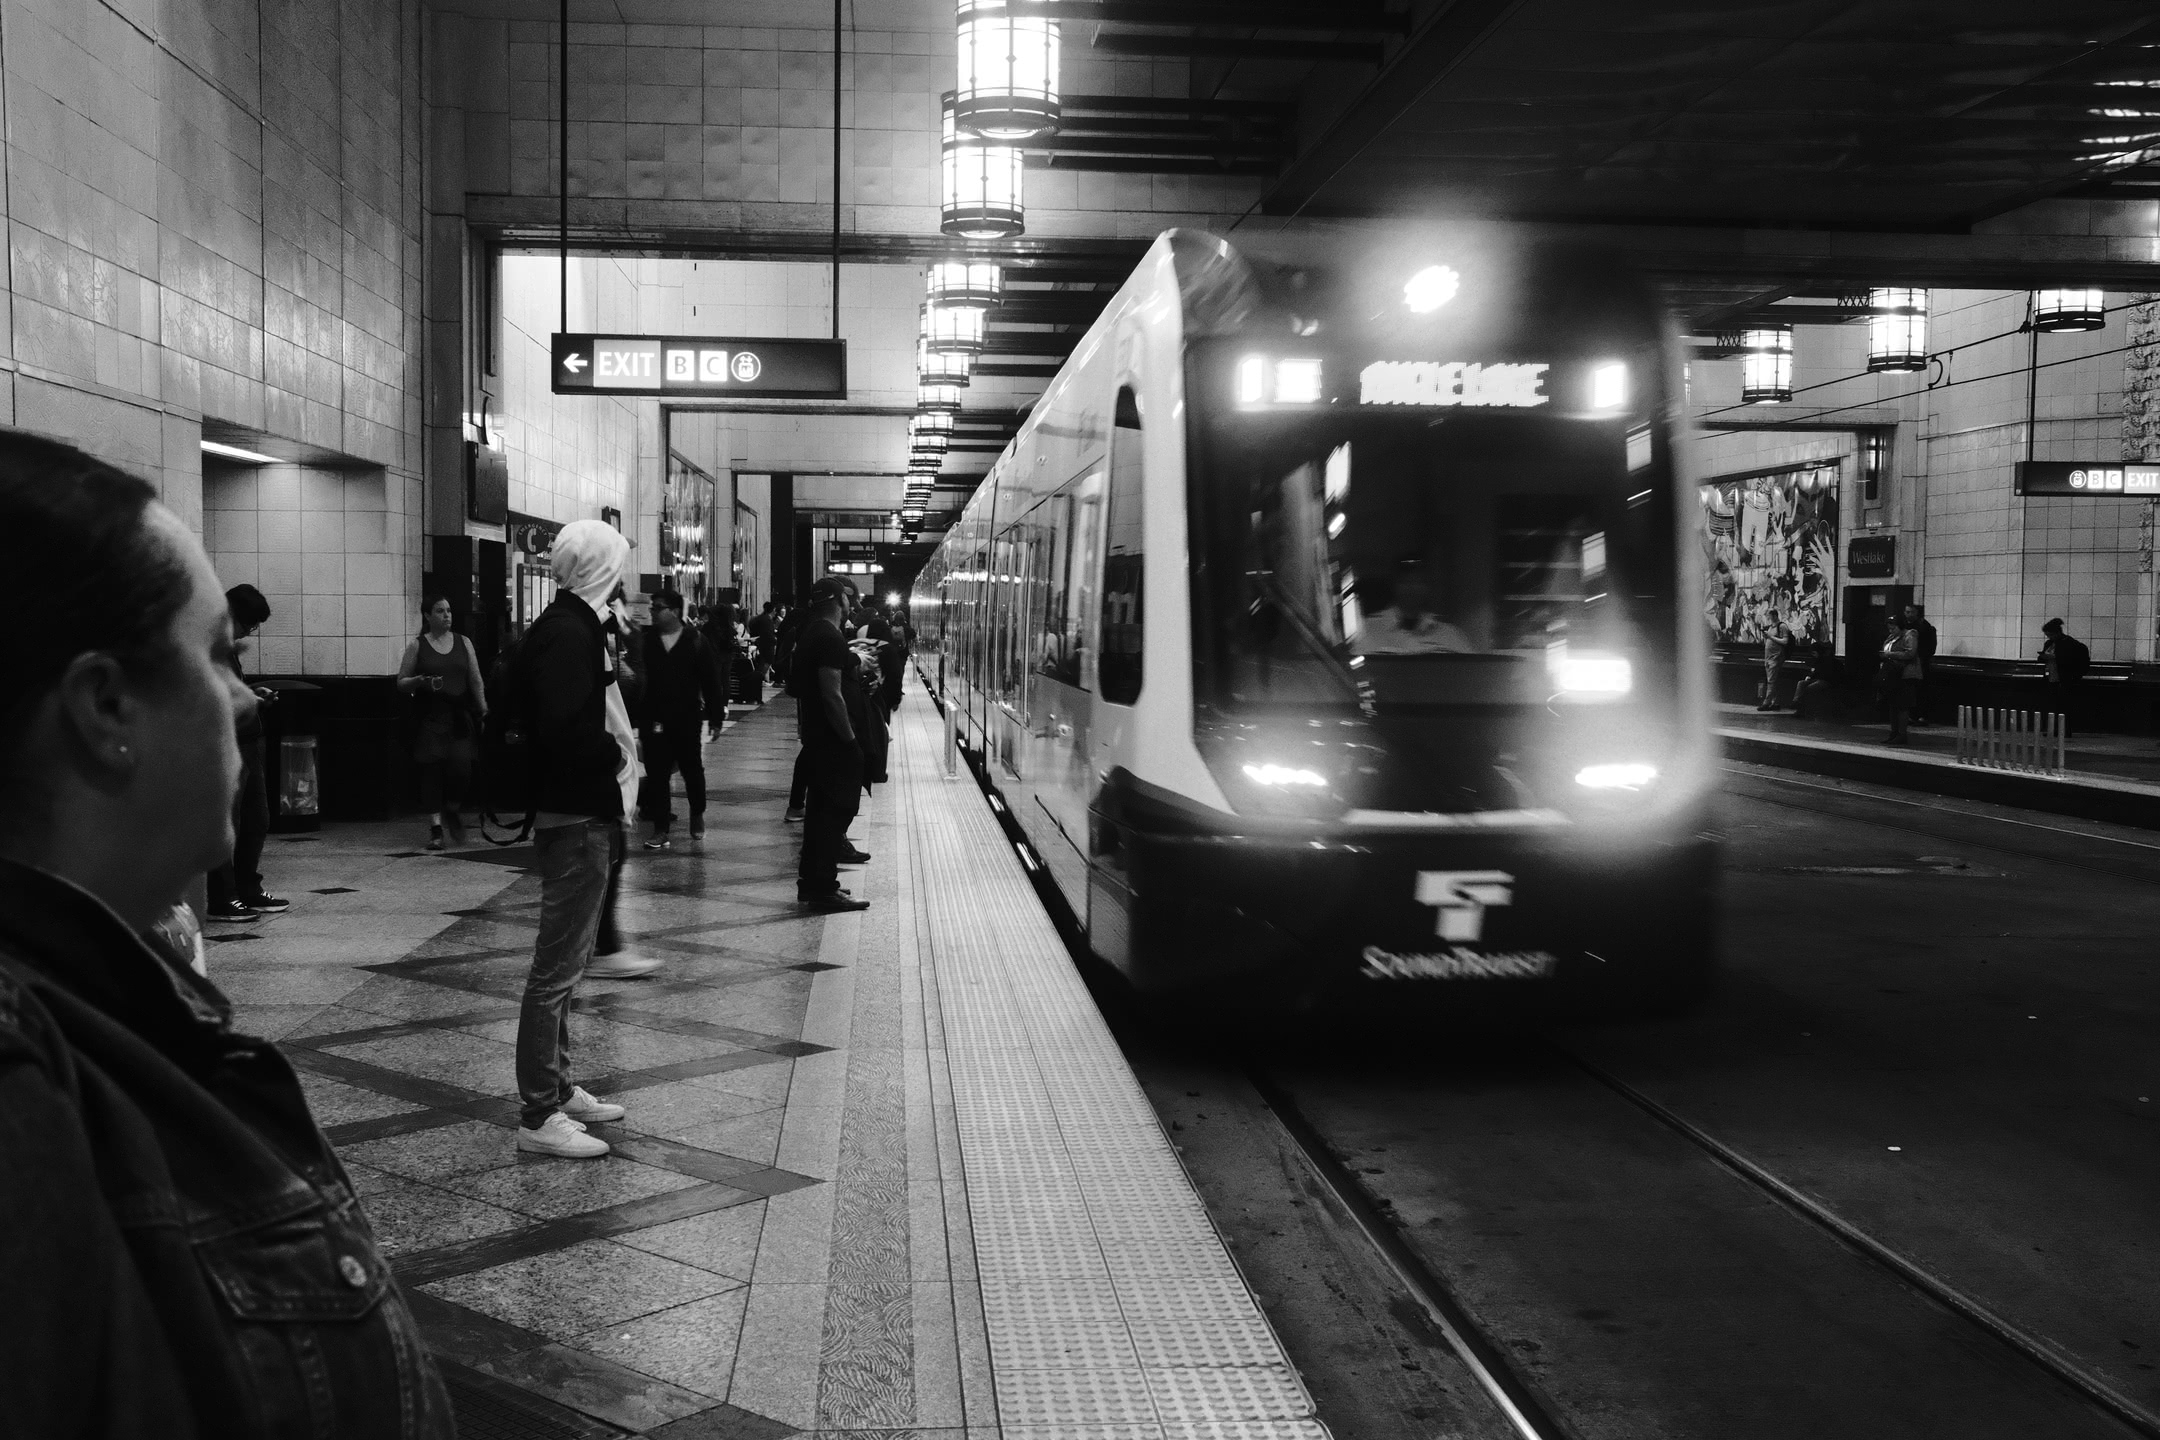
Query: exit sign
2094	479
699	367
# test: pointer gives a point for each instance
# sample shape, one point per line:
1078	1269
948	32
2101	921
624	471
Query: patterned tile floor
686	1285
781	1241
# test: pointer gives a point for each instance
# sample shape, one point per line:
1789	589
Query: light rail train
1329	628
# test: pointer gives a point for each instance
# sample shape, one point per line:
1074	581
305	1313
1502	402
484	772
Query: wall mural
1770	554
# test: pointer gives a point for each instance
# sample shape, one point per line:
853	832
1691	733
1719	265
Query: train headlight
1430	289
1285	776
1609	387
1589	674
1615	777
1260	379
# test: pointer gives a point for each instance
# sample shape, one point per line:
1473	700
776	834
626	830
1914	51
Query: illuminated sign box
1465	383
699	366
2095	480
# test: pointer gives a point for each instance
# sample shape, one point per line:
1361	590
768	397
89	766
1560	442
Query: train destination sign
2098	480
694	366
1423	382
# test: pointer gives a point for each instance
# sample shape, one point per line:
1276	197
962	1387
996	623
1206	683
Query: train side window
1053	554
1124	558
1082	614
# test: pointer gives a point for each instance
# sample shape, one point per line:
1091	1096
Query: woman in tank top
441	676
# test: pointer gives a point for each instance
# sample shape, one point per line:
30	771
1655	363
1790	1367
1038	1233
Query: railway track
1518	1398
1522	1405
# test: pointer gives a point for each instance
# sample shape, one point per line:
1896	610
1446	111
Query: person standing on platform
236	893
183	1254
2066	660
683	693
440	676
584	781
832	758
1778	643
1900	667
1916	620
762	630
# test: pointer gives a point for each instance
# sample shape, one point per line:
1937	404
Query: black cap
2051	625
828	591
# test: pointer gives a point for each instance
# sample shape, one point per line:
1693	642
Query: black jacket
683	686
183	1253
562	683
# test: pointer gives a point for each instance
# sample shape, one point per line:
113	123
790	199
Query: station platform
882	1173
2105	777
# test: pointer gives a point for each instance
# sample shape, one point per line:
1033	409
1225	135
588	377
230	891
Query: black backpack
502	774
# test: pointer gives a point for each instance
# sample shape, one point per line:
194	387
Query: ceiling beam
1371	18
1020	369
1428	58
1277	110
1134	165
1357	52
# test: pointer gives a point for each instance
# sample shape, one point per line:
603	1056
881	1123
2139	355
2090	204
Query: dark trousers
834	793
577	865
671	748
242	875
445	783
800	787
2063	700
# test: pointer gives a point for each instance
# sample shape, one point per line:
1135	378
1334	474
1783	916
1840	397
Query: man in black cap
832	759
2067	660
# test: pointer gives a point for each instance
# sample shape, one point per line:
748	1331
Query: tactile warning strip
1113	1310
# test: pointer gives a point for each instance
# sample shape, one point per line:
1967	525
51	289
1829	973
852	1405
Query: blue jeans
574	865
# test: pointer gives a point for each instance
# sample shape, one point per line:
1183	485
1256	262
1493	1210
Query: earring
120	751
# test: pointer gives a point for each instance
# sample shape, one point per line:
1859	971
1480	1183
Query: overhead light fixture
941	367
1430	289
1897	329
2054	310
936	422
952	330
930	398
1008	70
979	283
981	186
1766	365
234	452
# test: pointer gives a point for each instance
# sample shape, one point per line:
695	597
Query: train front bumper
1472	920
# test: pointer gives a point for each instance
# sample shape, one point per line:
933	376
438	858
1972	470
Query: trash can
299	796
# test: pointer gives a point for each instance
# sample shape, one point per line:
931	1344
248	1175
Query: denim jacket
180	1251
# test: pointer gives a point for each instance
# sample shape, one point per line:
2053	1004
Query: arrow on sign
574	363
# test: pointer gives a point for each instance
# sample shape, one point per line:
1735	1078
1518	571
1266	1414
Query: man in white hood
584	781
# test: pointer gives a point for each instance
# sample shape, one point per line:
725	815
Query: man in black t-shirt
832	758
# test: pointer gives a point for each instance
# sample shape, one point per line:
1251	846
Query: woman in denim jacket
182	1252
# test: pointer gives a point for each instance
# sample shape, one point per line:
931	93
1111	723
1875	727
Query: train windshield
1427	561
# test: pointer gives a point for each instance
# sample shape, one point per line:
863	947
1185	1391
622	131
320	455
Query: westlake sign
2097	480
699	366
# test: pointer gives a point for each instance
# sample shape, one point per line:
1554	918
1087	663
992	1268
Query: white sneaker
561	1136
619	967
584	1110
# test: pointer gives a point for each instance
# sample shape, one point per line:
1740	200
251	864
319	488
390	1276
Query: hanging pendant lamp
1766	365
929	398
941	367
1897	330
981	186
951	330
1008	70
2069	310
976	283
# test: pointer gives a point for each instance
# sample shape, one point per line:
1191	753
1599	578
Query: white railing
1997	739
